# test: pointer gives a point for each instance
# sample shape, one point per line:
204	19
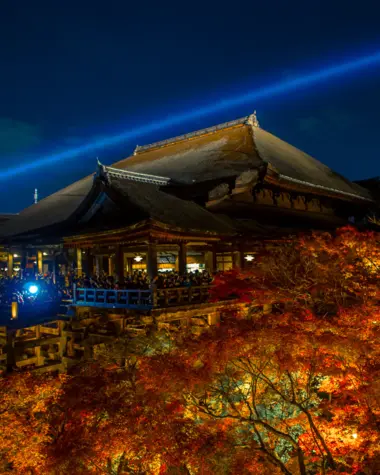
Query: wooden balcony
140	299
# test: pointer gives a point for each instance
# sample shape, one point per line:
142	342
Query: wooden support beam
24	261
130	264
236	259
99	264
152	260
10	264
182	258
40	262
111	266
10	349
119	263
79	262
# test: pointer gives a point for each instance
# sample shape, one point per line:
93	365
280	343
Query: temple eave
288	183
147	229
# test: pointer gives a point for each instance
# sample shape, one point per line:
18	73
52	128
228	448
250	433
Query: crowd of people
140	280
31	288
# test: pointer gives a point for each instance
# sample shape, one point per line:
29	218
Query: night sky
74	71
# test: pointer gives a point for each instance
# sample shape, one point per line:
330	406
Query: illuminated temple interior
202	201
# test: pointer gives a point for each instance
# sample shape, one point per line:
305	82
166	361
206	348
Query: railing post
179	295
166	297
154	297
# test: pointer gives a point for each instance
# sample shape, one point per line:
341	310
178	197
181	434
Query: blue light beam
275	89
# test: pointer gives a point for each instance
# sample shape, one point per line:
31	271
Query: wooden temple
204	200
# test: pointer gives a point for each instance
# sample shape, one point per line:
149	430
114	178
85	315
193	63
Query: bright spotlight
247	98
33	289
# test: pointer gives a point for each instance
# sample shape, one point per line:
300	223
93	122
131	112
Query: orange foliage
294	391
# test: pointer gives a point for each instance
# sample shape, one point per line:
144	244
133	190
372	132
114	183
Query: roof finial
101	171
252	120
35	196
136	150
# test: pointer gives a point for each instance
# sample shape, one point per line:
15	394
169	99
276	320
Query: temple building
203	200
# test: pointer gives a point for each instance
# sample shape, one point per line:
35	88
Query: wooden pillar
24	261
14	310
236	260
40	262
10	264
152	260
182	258
55	269
214	258
88	263
119	263
130	264
79	262
99	264
210	259
242	260
111	265
10	348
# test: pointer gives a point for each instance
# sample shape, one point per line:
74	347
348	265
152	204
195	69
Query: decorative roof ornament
252	120
101	171
136	150
107	173
35	196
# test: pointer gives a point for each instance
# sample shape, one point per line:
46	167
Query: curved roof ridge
197	133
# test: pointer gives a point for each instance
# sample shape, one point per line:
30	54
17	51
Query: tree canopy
290	389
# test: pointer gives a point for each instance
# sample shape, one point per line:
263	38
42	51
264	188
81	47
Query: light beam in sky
275	89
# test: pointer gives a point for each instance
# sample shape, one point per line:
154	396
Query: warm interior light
355	435
16	269
14	310
138	259
15	255
45	253
249	258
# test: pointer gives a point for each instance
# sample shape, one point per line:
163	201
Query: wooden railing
140	299
182	296
108	298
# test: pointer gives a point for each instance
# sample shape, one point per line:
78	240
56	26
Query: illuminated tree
296	389
292	390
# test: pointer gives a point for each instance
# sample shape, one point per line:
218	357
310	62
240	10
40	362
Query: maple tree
294	389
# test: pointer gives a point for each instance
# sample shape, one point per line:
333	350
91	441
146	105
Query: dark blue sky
75	70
